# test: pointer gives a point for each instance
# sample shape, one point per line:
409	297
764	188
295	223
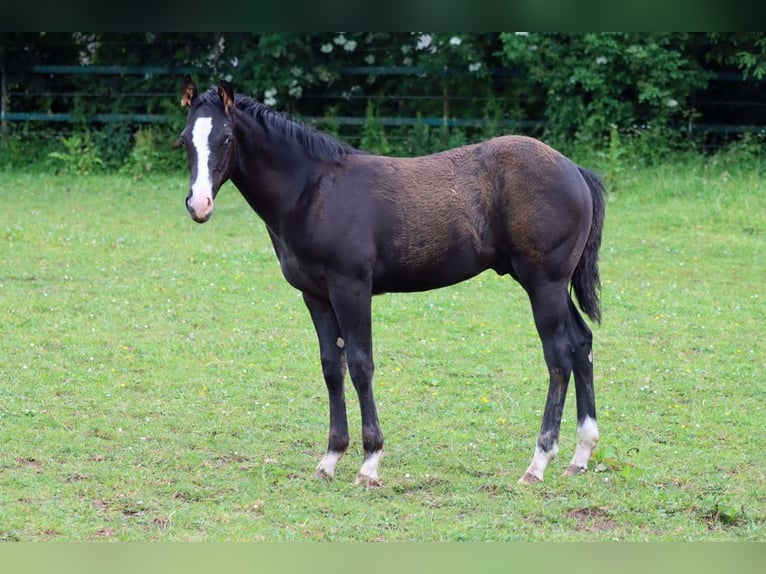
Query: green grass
160	380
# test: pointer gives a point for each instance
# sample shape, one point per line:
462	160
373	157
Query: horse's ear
188	91
227	95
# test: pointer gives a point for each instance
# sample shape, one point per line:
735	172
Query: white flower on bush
601	60
296	90
323	74
475	67
326	48
671	103
370	59
455	41
350	46
424	41
270	97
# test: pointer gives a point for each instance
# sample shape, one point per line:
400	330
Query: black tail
586	281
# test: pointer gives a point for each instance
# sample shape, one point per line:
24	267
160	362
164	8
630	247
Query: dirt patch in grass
28	462
592	519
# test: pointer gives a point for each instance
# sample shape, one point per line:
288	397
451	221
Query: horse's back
447	216
524	200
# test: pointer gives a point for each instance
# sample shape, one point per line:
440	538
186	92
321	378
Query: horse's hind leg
333	356
587	429
564	348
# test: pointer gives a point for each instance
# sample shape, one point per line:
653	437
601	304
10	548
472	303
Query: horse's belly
398	274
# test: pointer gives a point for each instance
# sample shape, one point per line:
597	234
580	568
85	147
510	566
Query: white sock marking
587	439
369	470
540	461
326	466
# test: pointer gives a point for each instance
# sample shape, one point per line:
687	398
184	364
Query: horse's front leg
333	357
351	302
552	319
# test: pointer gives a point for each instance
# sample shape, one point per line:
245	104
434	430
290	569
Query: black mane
317	145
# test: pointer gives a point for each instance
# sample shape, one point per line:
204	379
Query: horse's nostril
190	207
200	207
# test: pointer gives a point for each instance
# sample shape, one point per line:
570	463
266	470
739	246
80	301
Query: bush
114	142
152	151
373	134
80	156
583	84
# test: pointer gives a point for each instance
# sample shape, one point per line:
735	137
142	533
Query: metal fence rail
756	108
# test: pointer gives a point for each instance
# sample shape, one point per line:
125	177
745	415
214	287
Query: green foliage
152	152
278	68
745	51
585	83
373	133
26	148
421	141
650	86
455	137
80	156
331	126
143	157
493	115
114	144
744	155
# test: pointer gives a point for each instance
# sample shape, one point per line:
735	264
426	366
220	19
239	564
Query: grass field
160	380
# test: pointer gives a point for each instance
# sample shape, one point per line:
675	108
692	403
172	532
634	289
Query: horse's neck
270	175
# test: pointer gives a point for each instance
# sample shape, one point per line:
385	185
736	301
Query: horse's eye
228	140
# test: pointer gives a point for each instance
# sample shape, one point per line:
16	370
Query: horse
347	225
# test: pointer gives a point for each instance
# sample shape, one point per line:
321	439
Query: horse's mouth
200	218
200	211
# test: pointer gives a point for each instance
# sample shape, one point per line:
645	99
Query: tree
584	83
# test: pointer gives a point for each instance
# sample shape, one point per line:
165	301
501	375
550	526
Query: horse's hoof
368	481
529	478
574	470
323	474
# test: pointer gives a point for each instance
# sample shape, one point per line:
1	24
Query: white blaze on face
201	201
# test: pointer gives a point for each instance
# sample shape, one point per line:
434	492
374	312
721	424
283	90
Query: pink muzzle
200	206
